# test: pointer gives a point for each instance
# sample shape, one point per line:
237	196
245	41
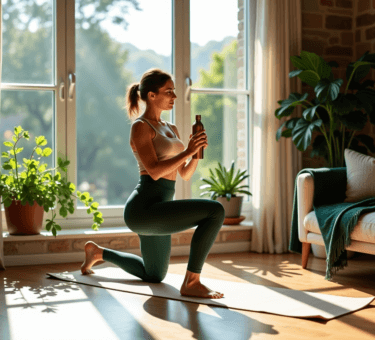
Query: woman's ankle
101	253
191	276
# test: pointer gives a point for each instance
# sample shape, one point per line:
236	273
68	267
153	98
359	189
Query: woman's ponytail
132	98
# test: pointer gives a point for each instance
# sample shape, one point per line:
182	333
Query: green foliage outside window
103	152
222	73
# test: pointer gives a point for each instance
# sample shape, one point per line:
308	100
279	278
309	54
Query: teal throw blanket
336	219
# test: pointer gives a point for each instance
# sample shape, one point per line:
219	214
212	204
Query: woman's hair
151	81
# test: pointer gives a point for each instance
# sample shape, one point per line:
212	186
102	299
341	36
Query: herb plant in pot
223	188
27	194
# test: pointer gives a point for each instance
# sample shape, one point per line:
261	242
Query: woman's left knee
156	278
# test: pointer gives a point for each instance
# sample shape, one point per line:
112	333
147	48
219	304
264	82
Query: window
217	72
66	68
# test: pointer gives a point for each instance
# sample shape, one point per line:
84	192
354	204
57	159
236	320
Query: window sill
104	231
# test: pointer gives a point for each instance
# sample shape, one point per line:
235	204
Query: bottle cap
197	116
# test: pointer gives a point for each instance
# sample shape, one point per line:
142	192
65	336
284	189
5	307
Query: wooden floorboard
35	307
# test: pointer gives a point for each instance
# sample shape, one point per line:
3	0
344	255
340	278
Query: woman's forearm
189	169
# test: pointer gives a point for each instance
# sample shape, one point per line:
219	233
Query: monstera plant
338	115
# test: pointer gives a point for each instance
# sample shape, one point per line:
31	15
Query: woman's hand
197	141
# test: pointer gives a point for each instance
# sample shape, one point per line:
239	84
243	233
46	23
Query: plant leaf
46	152
63	212
231	172
320	147
344	103
366	99
367	141
302	133
355	120
327	90
95	205
309	113
288	105
72	187
289	124
294	73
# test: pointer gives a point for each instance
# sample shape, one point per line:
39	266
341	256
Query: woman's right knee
219	209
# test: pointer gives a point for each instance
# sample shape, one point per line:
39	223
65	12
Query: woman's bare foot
94	253
193	287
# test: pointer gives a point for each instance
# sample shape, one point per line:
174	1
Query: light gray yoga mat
245	296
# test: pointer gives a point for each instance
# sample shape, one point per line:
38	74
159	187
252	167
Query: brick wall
339	30
127	241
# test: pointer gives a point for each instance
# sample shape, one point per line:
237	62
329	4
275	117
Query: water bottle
197	127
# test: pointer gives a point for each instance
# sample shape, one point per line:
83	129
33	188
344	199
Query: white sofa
363	235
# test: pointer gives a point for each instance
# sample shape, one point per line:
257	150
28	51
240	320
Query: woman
150	210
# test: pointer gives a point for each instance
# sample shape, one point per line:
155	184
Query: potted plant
27	194
224	187
339	116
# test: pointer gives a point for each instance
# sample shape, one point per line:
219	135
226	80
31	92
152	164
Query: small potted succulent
224	187
27	194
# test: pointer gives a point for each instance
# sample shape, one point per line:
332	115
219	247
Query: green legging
151	212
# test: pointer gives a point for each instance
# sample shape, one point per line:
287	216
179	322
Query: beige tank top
165	147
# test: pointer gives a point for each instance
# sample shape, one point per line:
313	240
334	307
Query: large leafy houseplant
339	116
36	183
224	185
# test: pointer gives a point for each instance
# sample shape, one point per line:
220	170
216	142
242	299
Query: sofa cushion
360	171
364	230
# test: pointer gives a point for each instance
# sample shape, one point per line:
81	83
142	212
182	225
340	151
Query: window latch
188	89
72	83
62	90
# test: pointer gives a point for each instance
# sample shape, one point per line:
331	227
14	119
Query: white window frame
59	88
65	120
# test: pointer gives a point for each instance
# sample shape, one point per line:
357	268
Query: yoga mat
237	295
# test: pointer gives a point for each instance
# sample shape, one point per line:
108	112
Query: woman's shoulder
174	128
140	128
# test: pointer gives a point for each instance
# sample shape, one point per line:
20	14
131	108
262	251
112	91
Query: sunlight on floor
208	310
96	329
17	294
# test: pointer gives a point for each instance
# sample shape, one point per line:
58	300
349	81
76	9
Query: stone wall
339	30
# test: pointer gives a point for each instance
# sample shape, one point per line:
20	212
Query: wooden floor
35	307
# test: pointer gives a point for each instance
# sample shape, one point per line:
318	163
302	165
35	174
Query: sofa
362	237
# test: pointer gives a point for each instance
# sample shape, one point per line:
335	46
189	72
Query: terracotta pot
233	207
24	219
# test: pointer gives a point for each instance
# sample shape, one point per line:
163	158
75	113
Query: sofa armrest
305	195
330	188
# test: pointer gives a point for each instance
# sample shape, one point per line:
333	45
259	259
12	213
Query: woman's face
164	100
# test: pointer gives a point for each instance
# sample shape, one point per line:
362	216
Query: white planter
232	207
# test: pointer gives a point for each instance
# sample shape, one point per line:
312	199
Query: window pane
214	39
28	32
223	117
33	110
115	45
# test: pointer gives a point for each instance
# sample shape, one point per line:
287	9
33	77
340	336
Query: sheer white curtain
2	266
277	36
